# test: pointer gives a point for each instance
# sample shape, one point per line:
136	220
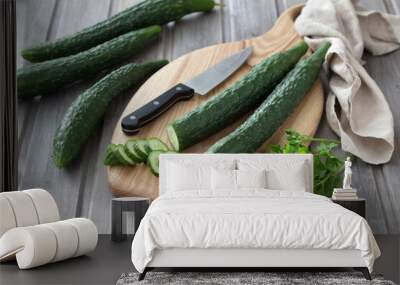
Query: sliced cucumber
153	162
142	149
110	157
122	156
156	144
134	151
130	149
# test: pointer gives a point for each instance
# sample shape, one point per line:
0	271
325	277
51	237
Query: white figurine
347	174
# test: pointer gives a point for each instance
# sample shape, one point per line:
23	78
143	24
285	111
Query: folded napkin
356	108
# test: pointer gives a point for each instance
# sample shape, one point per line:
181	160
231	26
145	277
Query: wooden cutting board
138	180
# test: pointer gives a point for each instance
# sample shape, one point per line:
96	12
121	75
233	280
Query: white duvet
250	219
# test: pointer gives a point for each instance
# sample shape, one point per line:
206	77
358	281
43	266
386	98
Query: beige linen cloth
365	122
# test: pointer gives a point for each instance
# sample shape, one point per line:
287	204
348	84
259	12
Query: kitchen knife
200	84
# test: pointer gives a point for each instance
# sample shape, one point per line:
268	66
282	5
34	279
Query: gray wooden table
82	190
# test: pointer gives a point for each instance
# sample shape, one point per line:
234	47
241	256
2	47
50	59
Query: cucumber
110	157
122	156
127	154
147	13
142	149
260	126
88	109
153	161
156	144
130	149
234	102
46	77
137	151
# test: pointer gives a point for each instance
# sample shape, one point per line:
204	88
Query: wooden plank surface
96	197
83	189
37	168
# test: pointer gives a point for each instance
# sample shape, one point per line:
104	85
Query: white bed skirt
235	257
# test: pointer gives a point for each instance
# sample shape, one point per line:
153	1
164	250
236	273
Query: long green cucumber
88	109
147	13
276	108
232	103
45	77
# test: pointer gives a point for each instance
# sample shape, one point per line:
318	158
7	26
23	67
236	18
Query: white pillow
193	175
181	177
226	179
251	178
282	174
223	179
293	180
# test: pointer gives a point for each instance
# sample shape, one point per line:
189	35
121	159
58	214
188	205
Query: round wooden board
138	180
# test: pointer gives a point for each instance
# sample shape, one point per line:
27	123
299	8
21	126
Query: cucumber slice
123	157
142	149
130	149
110	157
156	144
109	150
133	152
153	162
117	155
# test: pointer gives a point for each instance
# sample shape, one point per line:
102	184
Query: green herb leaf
328	167
276	148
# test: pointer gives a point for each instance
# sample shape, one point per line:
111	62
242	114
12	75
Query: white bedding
250	218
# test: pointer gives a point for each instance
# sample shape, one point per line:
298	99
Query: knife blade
201	84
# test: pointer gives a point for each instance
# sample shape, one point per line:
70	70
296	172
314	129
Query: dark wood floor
110	260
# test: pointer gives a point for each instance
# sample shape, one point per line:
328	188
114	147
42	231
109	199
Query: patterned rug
244	278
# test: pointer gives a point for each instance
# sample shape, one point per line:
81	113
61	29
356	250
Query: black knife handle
131	123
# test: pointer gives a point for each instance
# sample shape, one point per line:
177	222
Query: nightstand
355	205
138	205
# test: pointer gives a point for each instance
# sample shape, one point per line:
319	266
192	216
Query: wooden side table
356	205
138	205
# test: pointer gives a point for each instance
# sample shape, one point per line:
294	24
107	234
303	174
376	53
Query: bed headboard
202	157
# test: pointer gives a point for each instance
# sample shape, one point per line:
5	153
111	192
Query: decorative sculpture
347	174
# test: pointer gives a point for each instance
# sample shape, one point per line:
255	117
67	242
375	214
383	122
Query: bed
247	210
